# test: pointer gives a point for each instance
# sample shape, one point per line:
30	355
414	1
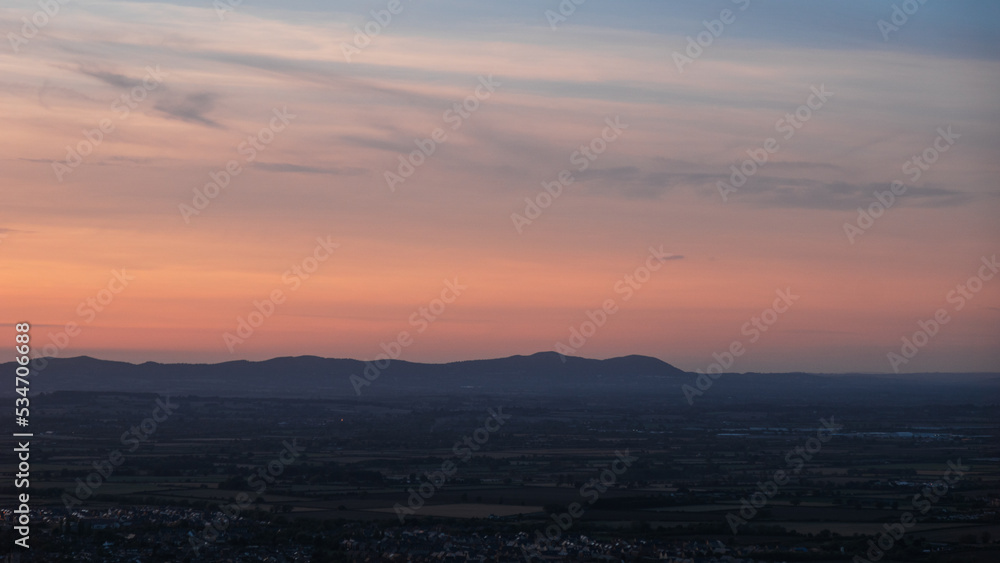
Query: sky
207	181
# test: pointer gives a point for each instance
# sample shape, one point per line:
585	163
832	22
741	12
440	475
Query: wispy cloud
811	194
111	78
302	169
190	108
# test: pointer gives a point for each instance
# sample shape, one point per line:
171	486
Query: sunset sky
197	81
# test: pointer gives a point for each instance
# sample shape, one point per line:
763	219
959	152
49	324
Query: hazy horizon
521	355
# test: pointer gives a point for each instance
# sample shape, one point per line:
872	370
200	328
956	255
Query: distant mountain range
635	378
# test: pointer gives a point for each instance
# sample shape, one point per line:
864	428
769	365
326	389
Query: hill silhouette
637	379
